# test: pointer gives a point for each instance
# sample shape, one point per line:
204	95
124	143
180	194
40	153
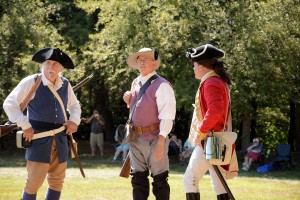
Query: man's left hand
71	127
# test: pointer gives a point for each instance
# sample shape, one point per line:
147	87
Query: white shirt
166	104
12	103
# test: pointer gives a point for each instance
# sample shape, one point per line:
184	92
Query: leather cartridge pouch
20	141
130	134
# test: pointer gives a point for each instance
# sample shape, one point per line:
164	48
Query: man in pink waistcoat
151	122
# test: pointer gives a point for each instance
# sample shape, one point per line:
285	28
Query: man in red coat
211	110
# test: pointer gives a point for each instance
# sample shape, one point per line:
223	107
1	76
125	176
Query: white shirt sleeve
165	127
166	104
73	106
11	104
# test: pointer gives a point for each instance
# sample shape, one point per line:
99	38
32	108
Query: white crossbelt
48	133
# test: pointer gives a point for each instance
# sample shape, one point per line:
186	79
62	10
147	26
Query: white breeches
196	169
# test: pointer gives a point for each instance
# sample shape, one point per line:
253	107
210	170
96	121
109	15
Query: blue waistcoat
45	113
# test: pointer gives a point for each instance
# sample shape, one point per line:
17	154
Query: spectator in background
175	145
120	138
253	154
96	137
186	153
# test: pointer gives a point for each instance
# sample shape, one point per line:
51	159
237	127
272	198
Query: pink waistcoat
146	112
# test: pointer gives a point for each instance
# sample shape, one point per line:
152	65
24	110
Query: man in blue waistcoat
47	156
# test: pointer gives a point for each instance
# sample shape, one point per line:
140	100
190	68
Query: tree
260	38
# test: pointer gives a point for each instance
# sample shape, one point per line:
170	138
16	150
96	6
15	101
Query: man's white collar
58	82
143	79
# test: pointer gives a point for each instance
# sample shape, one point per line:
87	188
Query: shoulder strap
59	100
142	90
228	118
31	92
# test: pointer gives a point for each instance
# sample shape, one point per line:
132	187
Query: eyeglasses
144	60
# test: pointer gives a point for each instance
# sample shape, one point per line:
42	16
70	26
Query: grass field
102	181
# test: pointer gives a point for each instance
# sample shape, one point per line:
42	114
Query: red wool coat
214	104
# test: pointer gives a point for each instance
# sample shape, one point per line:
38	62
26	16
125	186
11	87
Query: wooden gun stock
125	171
6	129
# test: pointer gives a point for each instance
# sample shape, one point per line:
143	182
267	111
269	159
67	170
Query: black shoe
193	196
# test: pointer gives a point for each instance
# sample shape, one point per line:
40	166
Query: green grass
103	183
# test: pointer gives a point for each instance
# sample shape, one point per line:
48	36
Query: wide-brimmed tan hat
132	59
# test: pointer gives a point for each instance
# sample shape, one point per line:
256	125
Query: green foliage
272	125
261	40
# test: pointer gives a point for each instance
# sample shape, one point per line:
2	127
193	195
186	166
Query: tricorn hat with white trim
204	52
132	59
53	54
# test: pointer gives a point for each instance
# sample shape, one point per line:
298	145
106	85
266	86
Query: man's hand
71	127
127	97
28	134
159	151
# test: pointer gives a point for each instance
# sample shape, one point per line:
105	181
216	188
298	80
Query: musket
125	170
9	127
231	197
70	138
83	82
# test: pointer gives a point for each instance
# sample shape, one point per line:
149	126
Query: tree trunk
292	133
101	102
246	127
296	143
253	121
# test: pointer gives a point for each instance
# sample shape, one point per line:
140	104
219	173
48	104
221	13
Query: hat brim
205	52
40	55
47	54
132	59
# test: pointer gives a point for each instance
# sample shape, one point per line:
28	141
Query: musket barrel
83	82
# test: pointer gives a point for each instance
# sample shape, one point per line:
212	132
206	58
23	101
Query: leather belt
48	133
145	130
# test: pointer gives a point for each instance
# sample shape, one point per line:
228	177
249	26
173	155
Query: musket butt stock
125	170
6	129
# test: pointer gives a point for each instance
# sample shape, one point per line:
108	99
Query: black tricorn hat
204	52
53	54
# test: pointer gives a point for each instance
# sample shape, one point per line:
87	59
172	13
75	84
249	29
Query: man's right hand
159	151
28	134
127	97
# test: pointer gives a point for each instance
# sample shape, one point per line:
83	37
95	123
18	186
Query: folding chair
283	154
